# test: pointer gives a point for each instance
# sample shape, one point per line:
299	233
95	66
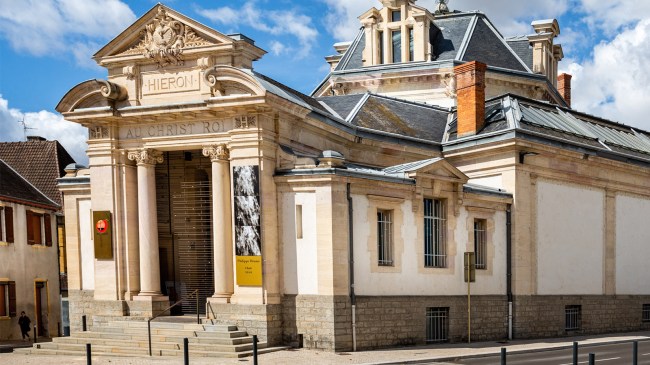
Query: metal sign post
470	276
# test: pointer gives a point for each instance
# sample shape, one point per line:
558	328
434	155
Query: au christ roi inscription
176	129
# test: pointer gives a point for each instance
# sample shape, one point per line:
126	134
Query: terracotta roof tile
15	187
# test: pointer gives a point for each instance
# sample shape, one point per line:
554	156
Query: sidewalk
404	355
9	345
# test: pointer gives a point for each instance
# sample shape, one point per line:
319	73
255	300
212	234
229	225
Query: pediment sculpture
164	40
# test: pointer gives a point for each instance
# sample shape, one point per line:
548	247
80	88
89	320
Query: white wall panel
300	259
87	246
632	245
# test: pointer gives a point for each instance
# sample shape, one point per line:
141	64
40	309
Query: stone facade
265	321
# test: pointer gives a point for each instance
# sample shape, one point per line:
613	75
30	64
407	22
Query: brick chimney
470	93
564	87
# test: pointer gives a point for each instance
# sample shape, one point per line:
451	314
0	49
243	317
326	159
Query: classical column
221	222
148	221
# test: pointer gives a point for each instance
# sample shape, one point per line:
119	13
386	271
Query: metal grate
193	233
385	237
435	224
646	313
437	324
573	317
480	243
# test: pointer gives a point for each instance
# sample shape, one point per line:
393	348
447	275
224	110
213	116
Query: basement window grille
573	317
646	313
437	324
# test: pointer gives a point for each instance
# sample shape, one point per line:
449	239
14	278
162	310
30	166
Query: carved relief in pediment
164	40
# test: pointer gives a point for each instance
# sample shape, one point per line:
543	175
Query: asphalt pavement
607	354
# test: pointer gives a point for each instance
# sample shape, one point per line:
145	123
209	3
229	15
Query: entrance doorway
185	229
41	308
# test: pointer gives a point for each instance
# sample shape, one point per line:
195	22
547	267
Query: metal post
58	329
503	356
635	353
35	334
592	359
575	353
254	349
83	323
186	351
198	320
469	307
149	332
89	359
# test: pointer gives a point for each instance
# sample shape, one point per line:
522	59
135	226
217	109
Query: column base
151	297
220	298
148	305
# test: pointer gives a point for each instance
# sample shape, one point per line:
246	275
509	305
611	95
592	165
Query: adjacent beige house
342	219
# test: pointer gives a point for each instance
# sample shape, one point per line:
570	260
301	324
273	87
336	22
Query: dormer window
396	16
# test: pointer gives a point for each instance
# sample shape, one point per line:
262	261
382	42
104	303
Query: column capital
218	152
146	156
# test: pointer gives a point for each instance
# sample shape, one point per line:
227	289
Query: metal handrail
198	319
214	316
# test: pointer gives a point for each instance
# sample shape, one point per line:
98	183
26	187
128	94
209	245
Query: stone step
174	343
235	337
100	352
158	331
180	326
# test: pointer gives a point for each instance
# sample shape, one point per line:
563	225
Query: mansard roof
15	188
467	36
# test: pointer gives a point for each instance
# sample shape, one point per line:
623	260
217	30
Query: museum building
435	151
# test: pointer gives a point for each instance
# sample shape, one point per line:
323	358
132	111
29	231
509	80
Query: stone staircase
129	338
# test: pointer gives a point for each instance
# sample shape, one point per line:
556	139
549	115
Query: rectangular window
396	16
646	313
381	47
480	243
435	226
6	224
397	46
7	298
573	317
385	237
437	324
411	53
39	229
299	221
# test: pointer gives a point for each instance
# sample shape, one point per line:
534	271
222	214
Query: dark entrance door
185	229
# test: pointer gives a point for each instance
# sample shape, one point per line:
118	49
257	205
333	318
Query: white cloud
277	48
275	22
611	15
60	27
48	125
615	83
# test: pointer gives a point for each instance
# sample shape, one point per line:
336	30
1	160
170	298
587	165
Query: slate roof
16	188
462	37
40	162
286	92
521	46
390	115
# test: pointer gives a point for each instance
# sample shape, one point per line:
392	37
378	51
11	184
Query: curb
498	352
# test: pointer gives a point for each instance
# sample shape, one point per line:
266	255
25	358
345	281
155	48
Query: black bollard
254	349
635	353
503	356
83	323
89	359
35	334
575	353
186	351
592	359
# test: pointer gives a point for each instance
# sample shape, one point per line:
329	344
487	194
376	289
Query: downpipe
509	266
353	297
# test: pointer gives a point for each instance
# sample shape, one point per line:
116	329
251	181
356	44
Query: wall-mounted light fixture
523	154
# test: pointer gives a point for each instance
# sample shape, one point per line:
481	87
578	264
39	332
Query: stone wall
265	321
544	315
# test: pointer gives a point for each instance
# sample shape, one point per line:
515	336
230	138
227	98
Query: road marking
645	354
597	360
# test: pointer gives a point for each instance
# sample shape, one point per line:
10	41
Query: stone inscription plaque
175	129
153	84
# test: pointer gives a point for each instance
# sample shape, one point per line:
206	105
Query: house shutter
12	299
30	227
9	224
47	222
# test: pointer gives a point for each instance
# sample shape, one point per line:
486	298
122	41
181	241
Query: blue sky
46	48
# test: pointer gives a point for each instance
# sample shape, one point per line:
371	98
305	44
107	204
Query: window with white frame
39	228
480	243
435	226
6	224
7	298
385	237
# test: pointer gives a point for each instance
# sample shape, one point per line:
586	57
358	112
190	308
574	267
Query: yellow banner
249	270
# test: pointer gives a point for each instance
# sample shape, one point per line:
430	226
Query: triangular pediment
435	168
162	35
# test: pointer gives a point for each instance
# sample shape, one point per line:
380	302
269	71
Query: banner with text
248	241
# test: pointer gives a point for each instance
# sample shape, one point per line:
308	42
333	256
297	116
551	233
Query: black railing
198	319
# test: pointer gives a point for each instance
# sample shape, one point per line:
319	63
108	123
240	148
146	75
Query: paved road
613	354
